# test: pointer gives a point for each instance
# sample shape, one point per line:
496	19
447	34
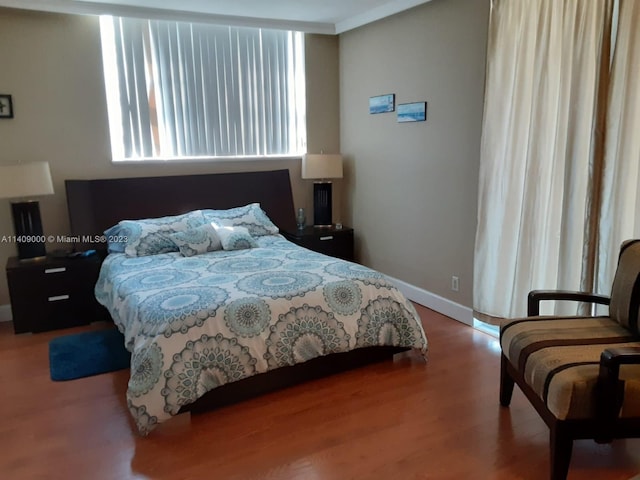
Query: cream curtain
620	214
539	150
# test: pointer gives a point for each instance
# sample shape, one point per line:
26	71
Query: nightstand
336	242
51	293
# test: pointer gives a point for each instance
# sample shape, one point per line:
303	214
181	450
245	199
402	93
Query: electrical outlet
455	283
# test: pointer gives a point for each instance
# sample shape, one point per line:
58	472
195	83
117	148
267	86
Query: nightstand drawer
336	242
340	246
44	281
40	314
53	282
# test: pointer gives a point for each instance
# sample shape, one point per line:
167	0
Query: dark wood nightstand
51	293
337	242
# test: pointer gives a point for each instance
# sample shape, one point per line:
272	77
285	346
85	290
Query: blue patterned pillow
235	238
197	240
250	216
116	238
150	236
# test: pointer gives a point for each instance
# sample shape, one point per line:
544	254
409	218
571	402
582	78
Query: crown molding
95	8
79	7
375	14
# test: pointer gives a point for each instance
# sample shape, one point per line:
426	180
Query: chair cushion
560	357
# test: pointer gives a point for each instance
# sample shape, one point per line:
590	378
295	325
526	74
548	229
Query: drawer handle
56	270
57	298
329	237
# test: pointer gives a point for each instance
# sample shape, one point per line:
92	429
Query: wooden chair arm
536	296
610	389
612	358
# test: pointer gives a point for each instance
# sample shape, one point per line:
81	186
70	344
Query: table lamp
322	167
23	182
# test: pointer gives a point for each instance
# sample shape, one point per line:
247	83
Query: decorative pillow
150	236
250	216
197	240
234	238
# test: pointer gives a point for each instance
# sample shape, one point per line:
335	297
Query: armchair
582	374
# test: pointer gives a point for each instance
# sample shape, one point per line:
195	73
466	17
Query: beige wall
411	189
51	65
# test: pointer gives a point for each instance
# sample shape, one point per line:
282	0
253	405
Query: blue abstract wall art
382	103
412	112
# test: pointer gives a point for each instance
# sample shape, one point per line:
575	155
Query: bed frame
95	205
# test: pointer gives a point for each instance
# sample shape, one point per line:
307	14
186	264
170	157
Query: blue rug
85	354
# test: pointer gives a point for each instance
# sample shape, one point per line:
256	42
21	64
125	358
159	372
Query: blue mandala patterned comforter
194	323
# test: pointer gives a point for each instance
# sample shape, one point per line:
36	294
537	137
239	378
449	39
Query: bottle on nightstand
301	219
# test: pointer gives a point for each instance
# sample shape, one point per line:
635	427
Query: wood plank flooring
397	420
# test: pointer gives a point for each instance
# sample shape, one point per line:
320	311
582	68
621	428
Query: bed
223	325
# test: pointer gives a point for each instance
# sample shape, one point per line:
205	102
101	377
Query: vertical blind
184	90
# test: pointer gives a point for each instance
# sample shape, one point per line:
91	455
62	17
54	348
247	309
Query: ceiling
311	16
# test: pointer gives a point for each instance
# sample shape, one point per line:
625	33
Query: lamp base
28	228
322	216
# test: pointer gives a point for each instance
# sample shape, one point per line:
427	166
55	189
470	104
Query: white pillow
234	238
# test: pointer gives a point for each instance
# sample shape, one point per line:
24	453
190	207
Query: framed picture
412	112
6	106
382	103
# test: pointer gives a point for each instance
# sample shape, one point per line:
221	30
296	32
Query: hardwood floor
395	420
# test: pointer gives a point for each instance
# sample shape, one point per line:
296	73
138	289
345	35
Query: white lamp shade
319	166
25	180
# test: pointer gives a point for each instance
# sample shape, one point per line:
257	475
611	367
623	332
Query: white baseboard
5	313
435	302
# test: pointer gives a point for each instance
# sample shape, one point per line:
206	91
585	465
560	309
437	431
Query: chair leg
506	383
561	445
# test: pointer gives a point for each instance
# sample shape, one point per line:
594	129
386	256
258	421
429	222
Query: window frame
296	76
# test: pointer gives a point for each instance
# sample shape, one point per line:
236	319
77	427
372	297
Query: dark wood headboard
95	205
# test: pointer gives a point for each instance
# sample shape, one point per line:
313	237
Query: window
180	90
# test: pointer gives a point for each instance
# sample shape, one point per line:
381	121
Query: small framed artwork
6	106
412	112
382	103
